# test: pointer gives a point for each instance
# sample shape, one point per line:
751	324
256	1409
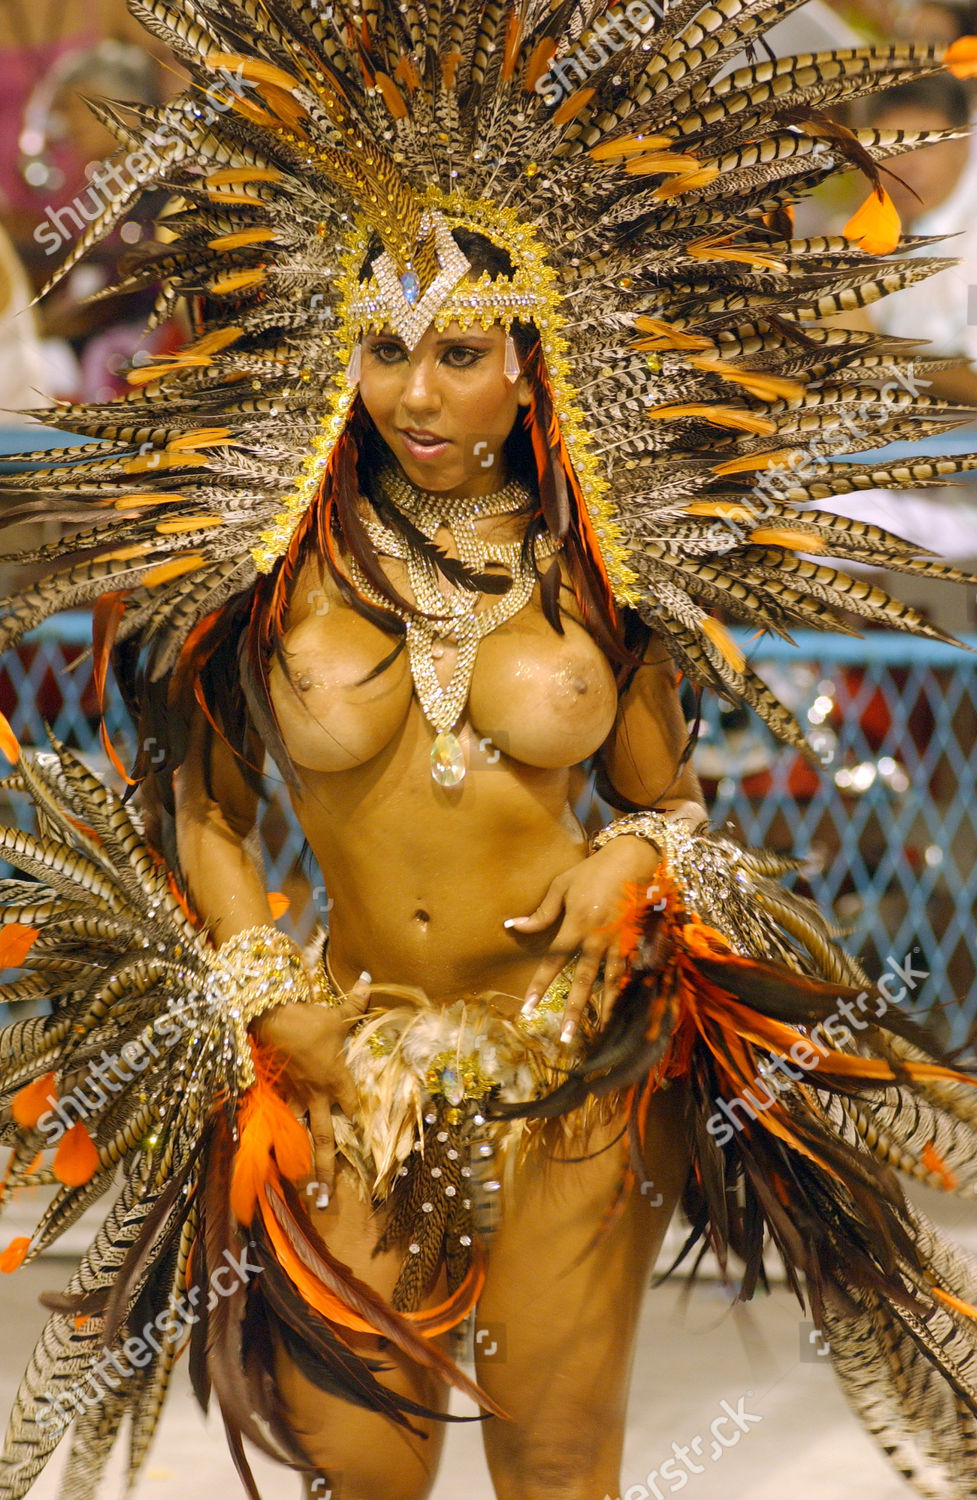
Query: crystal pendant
452	1086
354	366
411	285
447	759
511	369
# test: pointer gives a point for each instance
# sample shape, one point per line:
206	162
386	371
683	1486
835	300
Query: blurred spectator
943	310
934	21
47	135
50	56
924	21
935	190
22	372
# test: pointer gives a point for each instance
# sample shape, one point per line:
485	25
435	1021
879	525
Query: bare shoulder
312	591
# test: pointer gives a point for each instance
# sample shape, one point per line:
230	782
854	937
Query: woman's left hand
590	895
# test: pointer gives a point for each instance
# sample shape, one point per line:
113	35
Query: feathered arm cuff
807	1088
253	972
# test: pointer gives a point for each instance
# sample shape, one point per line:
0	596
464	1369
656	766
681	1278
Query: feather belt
417	1060
428	1079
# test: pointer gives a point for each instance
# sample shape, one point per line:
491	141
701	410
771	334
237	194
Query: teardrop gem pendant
447	759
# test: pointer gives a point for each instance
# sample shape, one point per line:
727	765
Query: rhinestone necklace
459	621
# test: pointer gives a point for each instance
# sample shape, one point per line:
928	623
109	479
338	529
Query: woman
425	888
447	483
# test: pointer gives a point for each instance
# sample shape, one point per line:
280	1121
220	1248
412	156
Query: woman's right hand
309	1039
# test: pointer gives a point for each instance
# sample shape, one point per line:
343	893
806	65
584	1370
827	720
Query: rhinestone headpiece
393	296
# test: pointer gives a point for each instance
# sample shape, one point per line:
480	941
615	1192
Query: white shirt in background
943	308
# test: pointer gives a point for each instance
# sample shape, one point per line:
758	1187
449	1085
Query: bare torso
421	877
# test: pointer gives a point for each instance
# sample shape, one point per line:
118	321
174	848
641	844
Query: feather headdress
641	184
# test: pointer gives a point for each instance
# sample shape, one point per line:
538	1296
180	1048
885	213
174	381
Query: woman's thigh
557	1320
364	1455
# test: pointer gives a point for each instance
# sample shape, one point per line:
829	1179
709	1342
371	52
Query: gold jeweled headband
394	297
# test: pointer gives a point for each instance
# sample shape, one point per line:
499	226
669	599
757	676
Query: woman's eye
467	356
457	357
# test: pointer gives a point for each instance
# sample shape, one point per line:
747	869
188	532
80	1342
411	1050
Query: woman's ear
524	391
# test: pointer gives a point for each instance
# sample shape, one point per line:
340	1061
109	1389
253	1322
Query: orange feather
513	41
540	58
76	1160
629	145
572	105
33	1101
960	58
876	226
721	416
8	741
13	1257
16	941
266	1127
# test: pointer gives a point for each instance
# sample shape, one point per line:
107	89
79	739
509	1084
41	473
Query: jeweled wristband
671	836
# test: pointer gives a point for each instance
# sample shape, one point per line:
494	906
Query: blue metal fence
889	821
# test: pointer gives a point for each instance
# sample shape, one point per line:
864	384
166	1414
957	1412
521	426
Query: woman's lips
423	450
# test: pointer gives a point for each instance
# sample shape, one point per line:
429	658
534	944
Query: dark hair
940	92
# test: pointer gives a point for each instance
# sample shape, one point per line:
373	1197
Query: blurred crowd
54	54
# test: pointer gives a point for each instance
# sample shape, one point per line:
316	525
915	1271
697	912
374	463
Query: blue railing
889	819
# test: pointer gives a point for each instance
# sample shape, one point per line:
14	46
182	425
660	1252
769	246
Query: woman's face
452	388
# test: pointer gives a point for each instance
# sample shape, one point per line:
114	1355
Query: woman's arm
641	765
640	762
216	813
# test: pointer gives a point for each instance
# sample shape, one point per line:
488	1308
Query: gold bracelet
251	973
671	836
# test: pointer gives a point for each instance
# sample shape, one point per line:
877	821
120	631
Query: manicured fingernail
510	921
529	1004
566	1035
366	977
322	1201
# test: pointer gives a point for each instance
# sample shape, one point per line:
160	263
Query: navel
421	915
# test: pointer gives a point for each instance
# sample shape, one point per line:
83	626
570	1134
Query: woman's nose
420	385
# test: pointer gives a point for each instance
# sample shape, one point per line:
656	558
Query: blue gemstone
411	283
